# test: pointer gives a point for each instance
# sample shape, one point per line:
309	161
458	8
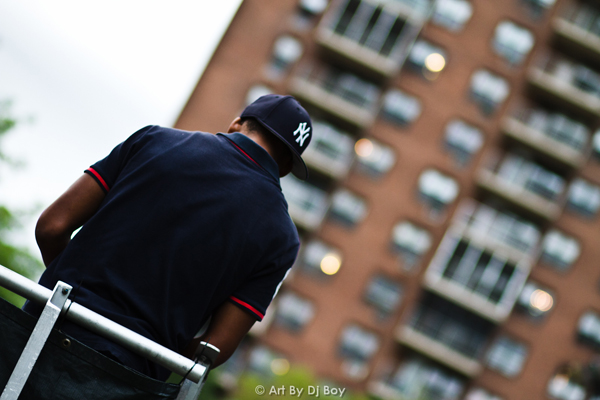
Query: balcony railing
330	152
552	134
447	333
525	184
483	260
340	93
580	25
375	34
567	83
307	204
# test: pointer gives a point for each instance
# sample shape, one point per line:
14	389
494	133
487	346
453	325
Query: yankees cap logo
303	132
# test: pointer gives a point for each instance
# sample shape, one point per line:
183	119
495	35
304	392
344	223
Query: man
180	228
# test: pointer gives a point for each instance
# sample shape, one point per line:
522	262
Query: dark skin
229	323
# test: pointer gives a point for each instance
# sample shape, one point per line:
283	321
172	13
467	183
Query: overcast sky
84	75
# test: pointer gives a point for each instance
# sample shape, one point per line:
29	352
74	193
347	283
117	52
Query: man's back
189	221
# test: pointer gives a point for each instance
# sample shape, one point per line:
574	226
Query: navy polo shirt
190	220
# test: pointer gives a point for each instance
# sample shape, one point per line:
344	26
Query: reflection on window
512	42
523	173
559	250
558	127
257	91
347	208
374	158
506	356
266	362
452	14
462	140
427	59
535	301
286	51
308	10
562	386
584	198
307	203
384	294
320	259
451	325
358	344
481	394
488	90
293	312
588	329
370	25
331	150
400	108
494	225
437	189
411	242
419	379
481	271
539	6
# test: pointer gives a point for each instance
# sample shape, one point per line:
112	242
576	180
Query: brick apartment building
450	229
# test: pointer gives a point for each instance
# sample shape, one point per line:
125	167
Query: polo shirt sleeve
106	171
257	292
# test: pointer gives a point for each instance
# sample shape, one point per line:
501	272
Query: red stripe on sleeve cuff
248	306
97	175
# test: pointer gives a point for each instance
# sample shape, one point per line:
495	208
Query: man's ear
235	126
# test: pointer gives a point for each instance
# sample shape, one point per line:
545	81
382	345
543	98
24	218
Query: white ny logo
303	132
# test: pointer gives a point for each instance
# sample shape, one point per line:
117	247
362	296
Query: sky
82	76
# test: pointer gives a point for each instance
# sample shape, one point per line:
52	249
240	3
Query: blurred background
450	223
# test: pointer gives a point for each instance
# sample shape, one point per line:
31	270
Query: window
481	394
427	59
286	51
462	141
584	198
588	329
370	25
411	242
330	151
384	294
559	250
307	203
535	301
436	189
487	222
358	344
264	361
452	14
293	312
373	158
559	127
419	379
452	325
481	271
347	208
563	387
400	108
320	259
488	90
596	144
308	10
523	173
506	356
586	79
512	42
255	92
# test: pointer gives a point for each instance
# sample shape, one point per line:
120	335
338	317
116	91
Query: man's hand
228	326
70	211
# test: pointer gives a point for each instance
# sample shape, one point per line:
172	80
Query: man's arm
70	211
228	326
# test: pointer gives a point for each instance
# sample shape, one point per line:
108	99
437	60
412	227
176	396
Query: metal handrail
103	326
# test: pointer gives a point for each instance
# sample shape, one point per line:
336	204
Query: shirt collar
255	151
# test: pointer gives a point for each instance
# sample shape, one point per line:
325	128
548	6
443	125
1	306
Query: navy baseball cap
285	118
